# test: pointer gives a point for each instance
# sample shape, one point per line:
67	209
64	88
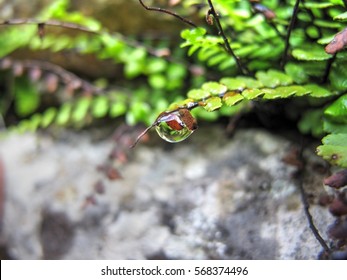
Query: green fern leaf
81	109
197	94
341	17
231	98
214	88
337	111
252	93
318	91
100	106
311	54
334	149
213	103
48	117
64	114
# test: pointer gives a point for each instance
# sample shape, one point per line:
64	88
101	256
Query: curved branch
305	202
51	22
213	12
161	10
290	29
65	76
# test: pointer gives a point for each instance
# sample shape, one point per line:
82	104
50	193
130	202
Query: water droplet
172	126
172	135
175	126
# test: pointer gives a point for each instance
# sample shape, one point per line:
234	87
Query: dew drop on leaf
172	135
172	126
175	126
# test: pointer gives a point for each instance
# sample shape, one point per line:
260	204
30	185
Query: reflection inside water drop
172	135
175	126
172	126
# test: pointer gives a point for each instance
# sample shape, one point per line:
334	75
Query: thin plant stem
138	138
161	10
274	27
290	29
51	22
241	67
63	74
328	68
306	204
310	220
56	23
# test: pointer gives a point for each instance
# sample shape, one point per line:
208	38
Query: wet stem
305	202
290	28
241	67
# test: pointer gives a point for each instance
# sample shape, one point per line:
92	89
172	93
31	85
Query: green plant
279	54
254	52
148	78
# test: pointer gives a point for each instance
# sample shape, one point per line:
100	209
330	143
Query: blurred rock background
233	199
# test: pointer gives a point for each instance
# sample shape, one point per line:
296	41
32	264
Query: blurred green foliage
198	69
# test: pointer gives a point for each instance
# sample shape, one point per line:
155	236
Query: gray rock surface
206	198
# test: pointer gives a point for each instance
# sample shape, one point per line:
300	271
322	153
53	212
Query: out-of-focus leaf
156	65
48	117
233	83
214	88
64	114
280	92
316	5
27	98
318	91
213	103
197	94
341	17
193	34
313	54
333	127
338	76
297	73
250	82
231	98
117	109
81	109
157	81
138	111
312	123
267	80
201	113
337	111
100	106
334	149
273	78
252	93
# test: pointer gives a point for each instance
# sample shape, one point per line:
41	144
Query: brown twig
241	67
328	68
161	10
51	22
306	203
64	75
290	29
56	23
312	18
138	138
